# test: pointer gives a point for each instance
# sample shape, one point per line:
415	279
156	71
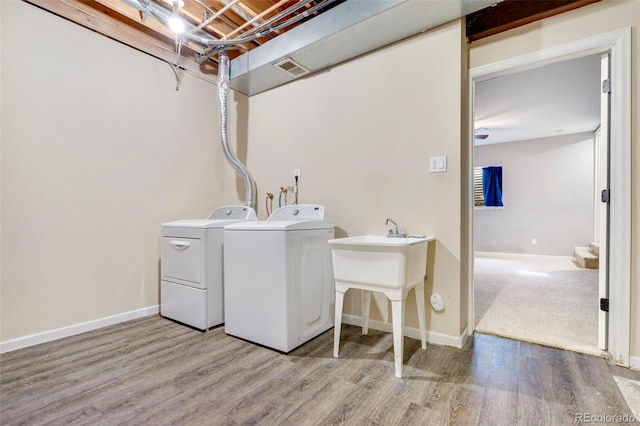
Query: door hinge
606	86
604	304
605	196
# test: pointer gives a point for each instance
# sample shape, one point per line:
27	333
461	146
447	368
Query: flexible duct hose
223	91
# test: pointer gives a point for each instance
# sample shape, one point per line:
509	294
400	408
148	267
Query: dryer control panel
233	212
298	212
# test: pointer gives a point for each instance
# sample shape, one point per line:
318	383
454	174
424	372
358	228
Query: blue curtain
492	186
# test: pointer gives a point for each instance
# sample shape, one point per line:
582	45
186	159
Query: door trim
618	44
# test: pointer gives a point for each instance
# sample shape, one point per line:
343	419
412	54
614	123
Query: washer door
312	285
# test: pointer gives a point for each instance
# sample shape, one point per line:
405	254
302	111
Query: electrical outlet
534	241
436	302
296	174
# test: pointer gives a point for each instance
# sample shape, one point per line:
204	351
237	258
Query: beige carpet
630	390
539	299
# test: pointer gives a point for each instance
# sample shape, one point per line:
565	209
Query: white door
602	219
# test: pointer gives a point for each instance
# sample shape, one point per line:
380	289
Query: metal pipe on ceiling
193	32
239	11
163	15
248	36
255	18
291	9
215	15
303	15
257	32
212	45
213	50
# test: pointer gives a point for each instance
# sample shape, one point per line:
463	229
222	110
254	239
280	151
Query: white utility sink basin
389	265
376	260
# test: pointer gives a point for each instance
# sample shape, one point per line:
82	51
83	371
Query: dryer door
182	260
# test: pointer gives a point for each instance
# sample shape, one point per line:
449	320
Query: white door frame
618	44
601	216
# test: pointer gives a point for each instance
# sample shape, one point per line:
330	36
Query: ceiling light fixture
175	22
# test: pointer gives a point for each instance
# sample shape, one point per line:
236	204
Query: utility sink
375	260
390	265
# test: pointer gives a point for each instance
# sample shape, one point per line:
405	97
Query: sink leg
366	305
397	307
421	314
337	323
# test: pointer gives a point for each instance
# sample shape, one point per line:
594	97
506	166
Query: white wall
587	21
547	195
362	134
98	149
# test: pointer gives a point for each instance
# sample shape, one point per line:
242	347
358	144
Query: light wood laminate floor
153	371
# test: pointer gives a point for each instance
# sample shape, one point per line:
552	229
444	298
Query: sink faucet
396	234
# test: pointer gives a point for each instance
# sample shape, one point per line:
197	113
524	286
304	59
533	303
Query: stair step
585	259
594	248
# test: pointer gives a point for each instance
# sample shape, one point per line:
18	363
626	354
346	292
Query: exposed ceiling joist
510	14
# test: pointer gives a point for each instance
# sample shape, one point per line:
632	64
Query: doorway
538	126
618	44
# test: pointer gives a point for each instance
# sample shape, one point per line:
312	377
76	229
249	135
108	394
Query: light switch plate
438	164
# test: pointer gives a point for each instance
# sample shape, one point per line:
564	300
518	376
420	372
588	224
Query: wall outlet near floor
534	241
436	302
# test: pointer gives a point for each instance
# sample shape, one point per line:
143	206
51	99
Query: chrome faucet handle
398	233
391	234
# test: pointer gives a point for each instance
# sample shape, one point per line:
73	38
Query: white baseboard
500	255
414	333
463	337
634	362
72	330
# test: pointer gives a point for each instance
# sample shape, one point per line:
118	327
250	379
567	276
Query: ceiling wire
264	28
211	45
255	18
244	15
176	67
249	35
215	16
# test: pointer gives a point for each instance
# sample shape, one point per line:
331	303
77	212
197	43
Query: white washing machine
279	289
191	289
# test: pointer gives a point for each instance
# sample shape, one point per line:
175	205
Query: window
487	186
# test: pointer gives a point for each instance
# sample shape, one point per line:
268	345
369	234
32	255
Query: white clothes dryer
279	288
191	288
